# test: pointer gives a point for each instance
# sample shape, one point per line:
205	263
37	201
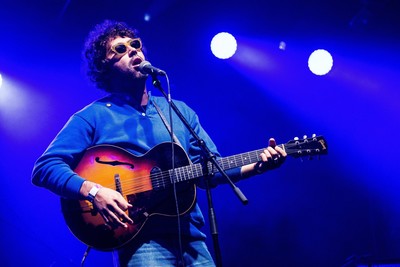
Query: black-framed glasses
121	48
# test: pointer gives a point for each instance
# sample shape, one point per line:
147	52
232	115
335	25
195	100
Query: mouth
136	62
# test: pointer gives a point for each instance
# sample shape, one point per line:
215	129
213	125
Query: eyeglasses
121	48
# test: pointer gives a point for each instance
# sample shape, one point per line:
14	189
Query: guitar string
244	158
139	185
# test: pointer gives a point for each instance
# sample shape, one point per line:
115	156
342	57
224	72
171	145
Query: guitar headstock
308	146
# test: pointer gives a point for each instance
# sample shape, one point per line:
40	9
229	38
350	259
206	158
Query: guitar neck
194	171
238	160
312	146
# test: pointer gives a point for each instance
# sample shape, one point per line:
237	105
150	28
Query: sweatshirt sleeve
54	168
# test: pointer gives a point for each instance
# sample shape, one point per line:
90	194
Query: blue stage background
307	213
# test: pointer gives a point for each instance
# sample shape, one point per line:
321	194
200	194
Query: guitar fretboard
186	173
238	160
193	171
297	148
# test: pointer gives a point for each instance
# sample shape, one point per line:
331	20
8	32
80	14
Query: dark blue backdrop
310	213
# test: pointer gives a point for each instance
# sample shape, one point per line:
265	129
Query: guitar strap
176	140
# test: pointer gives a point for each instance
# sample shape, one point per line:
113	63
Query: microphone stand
210	157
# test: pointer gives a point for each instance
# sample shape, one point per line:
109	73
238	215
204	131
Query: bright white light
20	106
223	45
320	62
13	101
1	80
282	45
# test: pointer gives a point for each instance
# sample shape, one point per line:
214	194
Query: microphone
145	67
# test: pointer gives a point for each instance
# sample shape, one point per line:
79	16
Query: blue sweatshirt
112	120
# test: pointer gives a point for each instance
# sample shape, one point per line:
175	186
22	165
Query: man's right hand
110	204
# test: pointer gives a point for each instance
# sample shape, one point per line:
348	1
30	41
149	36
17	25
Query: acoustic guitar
146	183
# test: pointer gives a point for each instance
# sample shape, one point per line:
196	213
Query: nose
132	51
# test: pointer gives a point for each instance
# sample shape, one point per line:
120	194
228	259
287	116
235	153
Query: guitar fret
180	173
229	163
185	175
239	160
246	158
199	170
188	172
171	176
242	158
163	181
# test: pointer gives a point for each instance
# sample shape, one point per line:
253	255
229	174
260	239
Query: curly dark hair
95	49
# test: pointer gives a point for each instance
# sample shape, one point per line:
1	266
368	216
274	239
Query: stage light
282	45
147	17
21	106
223	45
13	99
320	62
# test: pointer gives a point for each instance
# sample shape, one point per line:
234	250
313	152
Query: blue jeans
166	252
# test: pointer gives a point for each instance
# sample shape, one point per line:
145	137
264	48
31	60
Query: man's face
125	55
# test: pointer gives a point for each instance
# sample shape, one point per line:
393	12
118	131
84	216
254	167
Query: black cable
85	255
